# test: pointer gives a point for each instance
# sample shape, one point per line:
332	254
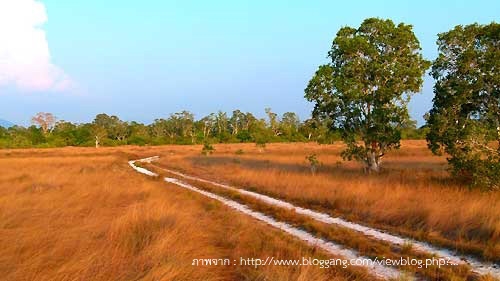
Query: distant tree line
178	128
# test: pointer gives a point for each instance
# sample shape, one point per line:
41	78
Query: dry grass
365	246
82	214
413	196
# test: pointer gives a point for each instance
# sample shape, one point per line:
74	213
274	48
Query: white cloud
24	51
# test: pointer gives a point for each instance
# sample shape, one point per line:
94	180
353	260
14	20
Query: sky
143	60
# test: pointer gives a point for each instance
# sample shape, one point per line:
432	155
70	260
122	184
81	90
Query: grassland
413	196
81	214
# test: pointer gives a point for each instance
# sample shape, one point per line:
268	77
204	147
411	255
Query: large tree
207	125
45	120
465	118
236	121
116	129
183	124
365	89
290	124
274	121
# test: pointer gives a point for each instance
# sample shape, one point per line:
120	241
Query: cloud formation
24	51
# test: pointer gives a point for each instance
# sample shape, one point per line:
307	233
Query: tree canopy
465	118
366	87
177	128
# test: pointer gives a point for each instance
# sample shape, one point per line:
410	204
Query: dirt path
476	265
376	269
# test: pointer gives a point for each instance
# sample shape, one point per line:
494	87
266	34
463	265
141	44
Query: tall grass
414	195
83	214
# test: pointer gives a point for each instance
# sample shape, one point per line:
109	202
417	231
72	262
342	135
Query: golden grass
367	247
413	195
83	214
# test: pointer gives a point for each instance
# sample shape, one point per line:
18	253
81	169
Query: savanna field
249	140
84	214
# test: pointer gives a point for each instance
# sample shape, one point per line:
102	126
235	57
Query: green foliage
320	130
409	130
313	162
367	86
464	121
207	148
137	140
115	128
178	128
244	136
260	141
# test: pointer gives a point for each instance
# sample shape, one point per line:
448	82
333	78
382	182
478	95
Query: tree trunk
374	157
498	138
373	162
96	142
313	169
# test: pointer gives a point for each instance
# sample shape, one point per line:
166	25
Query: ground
84	214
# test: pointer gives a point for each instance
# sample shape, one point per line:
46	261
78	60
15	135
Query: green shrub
207	149
313	162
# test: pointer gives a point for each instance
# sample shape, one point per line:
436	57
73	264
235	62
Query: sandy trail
476	265
376	269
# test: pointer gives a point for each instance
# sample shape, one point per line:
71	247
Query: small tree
261	145
367	86
99	134
260	142
465	118
207	148
45	120
313	163
290	124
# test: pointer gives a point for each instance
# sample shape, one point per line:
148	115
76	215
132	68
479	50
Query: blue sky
142	60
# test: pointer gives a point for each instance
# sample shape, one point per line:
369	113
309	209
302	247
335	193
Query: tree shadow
266	165
410	173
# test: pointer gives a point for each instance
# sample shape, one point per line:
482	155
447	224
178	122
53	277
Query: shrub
207	148
313	163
